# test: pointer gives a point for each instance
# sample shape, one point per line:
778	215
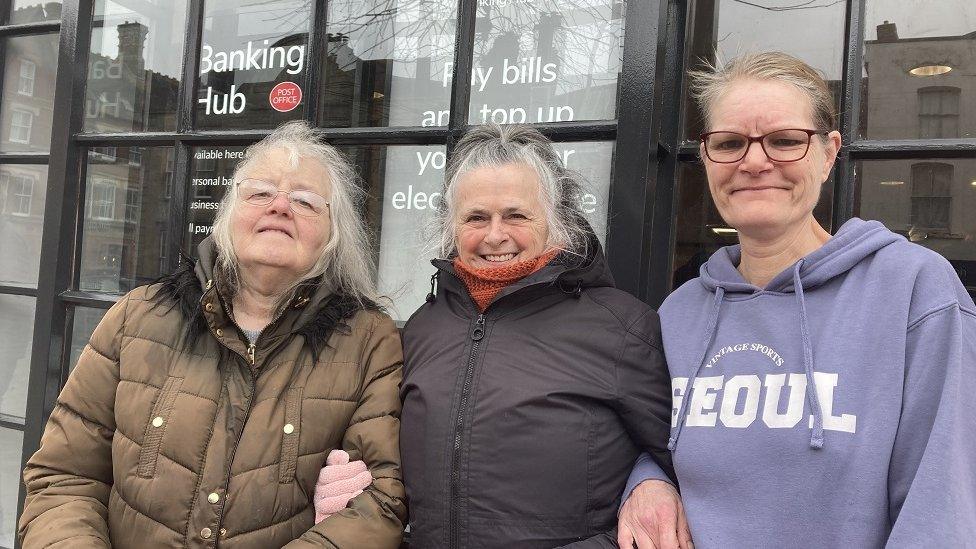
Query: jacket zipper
251	351
477	334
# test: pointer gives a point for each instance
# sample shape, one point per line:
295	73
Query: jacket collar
568	273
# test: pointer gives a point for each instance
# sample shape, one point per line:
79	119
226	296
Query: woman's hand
339	481
653	518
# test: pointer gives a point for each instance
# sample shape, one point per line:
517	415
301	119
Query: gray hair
346	259
494	146
709	84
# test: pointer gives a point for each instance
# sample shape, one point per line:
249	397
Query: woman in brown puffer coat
204	406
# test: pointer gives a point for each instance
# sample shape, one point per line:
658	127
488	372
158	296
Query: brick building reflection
922	88
128	188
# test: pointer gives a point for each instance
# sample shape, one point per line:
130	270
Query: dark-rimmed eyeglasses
787	145
302	202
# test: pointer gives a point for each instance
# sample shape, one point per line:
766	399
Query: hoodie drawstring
709	336
817	436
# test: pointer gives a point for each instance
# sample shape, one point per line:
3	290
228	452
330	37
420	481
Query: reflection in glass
931	202
812	32
404	185
23	189
919	63
32	11
125	238
11	445
212	170
84	323
29	71
388	62
16	330
700	230
134	66
546	61
252	63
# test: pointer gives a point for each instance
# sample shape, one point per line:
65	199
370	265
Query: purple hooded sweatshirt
833	408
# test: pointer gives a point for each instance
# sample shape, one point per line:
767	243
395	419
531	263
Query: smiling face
499	218
757	196
272	235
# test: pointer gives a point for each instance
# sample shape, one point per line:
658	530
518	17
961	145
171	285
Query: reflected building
28	107
922	88
126	217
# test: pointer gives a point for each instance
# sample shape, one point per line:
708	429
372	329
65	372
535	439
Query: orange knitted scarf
484	284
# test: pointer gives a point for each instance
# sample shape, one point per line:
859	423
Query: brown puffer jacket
154	445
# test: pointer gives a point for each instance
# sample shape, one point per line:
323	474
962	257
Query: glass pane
900	194
135	65
918	62
85	320
125	237
546	61
813	33
404	183
33	11
16	331
11	445
252	63
388	63
23	189
700	230
30	69
212	170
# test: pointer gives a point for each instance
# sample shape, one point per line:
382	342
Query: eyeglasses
302	202
787	145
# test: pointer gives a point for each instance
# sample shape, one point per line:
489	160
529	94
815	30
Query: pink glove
339	481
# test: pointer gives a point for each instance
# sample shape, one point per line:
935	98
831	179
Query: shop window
523	48
931	195
917	60
928	201
101	200
22	196
134	66
126	209
388	63
16	329
27	107
938	112
253	58
25	86
21	122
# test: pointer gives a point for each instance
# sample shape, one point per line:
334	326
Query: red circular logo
285	96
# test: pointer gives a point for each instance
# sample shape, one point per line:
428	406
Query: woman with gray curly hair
530	382
205	405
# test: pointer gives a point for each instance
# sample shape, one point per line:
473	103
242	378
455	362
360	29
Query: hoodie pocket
289	440
156	426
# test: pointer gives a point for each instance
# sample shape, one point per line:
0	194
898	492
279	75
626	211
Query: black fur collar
182	289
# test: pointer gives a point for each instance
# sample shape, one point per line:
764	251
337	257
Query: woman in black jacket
530	382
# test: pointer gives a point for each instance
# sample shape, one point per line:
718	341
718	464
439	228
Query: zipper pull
250	353
479	329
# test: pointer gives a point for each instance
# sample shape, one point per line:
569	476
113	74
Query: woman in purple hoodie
822	386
